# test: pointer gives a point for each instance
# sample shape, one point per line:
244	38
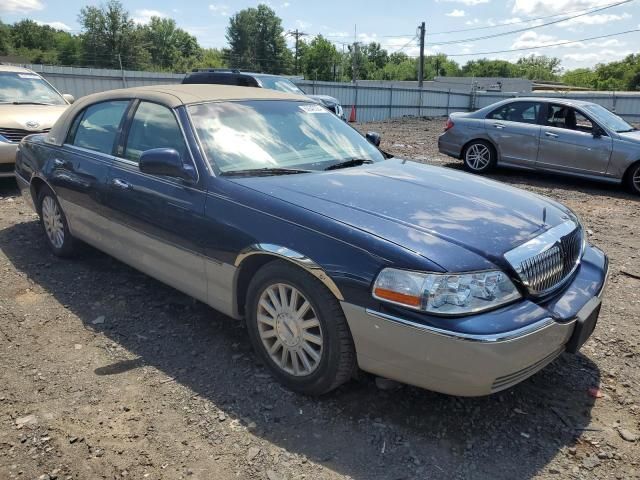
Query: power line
508	24
511	32
549	45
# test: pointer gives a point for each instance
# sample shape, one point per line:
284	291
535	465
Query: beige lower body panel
7	158
194	274
447	364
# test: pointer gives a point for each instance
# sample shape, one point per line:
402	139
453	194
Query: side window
561	116
153	126
98	128
521	112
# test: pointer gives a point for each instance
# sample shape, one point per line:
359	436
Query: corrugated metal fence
372	102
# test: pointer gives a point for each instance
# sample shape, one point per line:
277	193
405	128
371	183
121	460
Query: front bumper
7	158
464	364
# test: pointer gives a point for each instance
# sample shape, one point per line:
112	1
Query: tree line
110	38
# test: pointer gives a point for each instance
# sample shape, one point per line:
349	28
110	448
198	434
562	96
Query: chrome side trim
295	257
489	338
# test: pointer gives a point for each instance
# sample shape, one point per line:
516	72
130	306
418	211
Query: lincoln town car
338	256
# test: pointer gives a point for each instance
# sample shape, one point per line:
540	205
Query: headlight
445	293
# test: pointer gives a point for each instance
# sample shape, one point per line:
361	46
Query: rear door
80	169
515	131
159	219
568	143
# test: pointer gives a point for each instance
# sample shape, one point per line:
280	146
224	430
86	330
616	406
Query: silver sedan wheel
289	329
478	156
52	220
636	179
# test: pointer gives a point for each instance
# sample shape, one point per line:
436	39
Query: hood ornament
32	125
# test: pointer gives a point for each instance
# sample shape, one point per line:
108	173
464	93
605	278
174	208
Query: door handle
498	126
58	163
551	135
120	184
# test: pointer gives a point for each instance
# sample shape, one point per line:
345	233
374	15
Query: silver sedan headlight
445	293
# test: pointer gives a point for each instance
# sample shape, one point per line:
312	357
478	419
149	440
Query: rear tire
54	223
320	355
633	178
479	156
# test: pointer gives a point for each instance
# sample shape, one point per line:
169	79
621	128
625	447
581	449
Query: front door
568	143
159	219
514	129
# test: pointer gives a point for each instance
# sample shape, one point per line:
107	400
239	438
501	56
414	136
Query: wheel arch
35	185
254	257
627	172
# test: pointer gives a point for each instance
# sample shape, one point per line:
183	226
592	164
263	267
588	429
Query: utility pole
421	64
296	34
354	62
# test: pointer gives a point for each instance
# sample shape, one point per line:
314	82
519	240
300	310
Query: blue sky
393	24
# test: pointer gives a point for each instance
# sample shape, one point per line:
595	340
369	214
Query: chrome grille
17	134
545	262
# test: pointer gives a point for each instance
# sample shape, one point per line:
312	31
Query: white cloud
143	16
468	3
456	13
475	21
598	19
56	25
302	24
592	58
219	9
533	40
551	7
20	6
285	5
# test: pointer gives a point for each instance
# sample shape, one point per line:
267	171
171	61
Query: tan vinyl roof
14	69
170	95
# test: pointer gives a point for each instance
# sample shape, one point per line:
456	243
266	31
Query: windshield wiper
30	103
352	162
632	129
265	171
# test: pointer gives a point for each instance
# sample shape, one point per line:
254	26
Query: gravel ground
106	373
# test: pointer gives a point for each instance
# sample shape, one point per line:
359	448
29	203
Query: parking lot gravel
107	373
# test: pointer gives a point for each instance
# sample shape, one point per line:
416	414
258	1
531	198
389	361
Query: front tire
298	329
54	224
633	178
479	157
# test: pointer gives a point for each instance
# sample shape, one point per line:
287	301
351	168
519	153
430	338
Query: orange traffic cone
352	115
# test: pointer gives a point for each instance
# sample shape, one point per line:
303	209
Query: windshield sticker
313	109
29	75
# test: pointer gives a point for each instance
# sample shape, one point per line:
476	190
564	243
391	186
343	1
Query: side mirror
374	138
68	97
166	162
597	131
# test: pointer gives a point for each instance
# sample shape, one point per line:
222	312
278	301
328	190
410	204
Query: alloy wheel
289	329
478	156
636	179
52	220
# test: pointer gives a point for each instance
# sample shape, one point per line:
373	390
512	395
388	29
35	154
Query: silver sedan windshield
610	120
276	134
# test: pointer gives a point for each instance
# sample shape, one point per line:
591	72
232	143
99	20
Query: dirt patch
106	373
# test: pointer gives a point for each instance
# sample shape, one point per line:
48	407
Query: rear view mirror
374	138
597	131
166	162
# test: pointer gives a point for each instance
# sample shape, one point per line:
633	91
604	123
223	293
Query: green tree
580	77
110	36
5	39
320	59
169	46
256	41
489	68
211	58
538	67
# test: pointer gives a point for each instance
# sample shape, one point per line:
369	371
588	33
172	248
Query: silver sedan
570	137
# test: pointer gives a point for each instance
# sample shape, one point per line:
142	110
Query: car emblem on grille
32	125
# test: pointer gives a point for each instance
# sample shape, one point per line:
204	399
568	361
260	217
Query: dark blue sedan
268	208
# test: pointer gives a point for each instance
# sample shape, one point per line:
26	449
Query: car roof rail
216	70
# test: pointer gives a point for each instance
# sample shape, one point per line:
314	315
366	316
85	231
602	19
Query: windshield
280	84
610	120
27	88
271	134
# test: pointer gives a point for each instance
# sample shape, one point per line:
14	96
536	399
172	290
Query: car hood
325	99
454	219
633	136
22	116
